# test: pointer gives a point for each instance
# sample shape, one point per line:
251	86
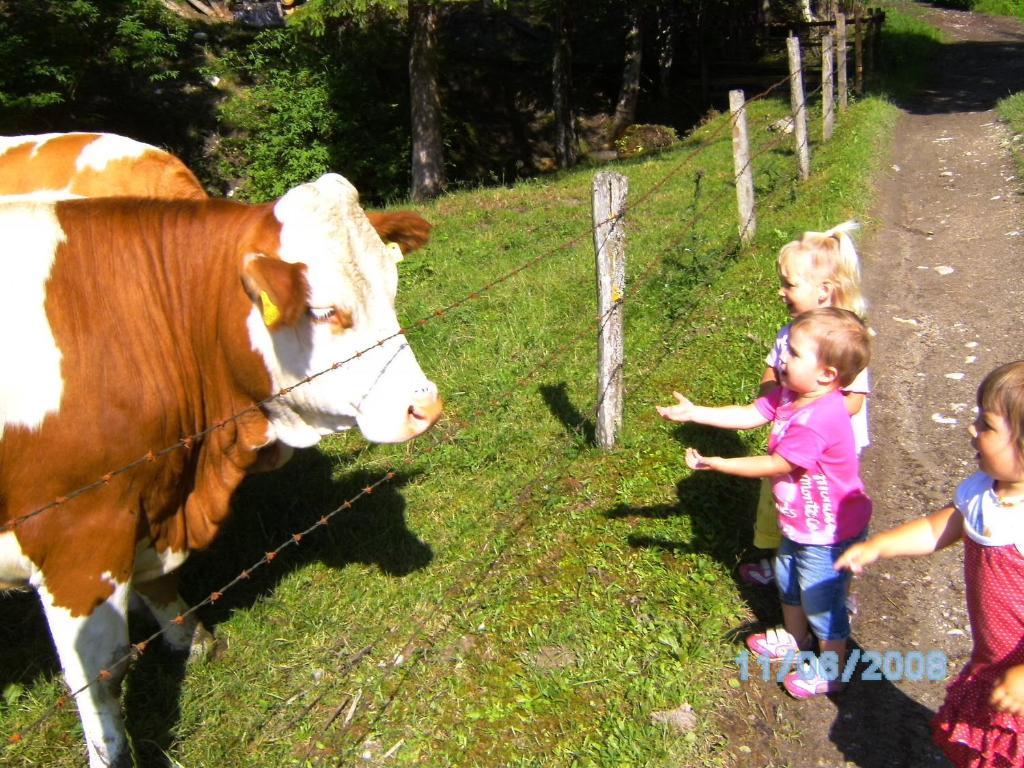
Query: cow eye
322	314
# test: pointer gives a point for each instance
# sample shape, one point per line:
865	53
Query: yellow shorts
766	523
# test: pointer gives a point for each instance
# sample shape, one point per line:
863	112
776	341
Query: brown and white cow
141	322
61	166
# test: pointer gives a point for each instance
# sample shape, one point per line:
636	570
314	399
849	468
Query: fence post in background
828	104
841	61
744	170
609	191
869	42
858	51
796	101
875	49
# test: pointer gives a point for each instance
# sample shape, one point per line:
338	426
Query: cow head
327	298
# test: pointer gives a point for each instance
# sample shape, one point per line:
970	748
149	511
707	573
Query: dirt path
944	272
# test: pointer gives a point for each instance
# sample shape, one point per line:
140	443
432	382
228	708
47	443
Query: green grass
999	7
1011	109
544	597
909	50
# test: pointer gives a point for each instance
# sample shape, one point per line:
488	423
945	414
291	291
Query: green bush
297	107
92	64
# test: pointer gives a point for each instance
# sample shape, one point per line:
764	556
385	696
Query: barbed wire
324	520
479	577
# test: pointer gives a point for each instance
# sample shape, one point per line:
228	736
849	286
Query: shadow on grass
266	511
720	509
876	725
577	425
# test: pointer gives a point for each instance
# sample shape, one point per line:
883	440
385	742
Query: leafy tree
299	105
90	64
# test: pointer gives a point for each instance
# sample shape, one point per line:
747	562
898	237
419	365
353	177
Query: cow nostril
426	407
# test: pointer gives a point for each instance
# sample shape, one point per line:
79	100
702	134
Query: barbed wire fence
464	591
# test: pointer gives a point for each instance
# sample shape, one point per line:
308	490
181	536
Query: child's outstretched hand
695	461
682	411
857	557
1008	695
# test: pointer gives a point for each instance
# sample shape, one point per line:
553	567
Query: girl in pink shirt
819	497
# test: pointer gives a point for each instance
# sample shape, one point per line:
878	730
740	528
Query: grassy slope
999	7
1011	109
543	597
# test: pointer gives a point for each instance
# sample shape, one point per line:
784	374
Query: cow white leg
87	646
160	596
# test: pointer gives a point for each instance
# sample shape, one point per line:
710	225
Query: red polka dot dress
969	729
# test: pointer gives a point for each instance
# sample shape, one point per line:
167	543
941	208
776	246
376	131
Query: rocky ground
943	262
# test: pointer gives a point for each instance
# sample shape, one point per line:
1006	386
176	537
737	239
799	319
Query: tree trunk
425	102
666	39
561	75
629	94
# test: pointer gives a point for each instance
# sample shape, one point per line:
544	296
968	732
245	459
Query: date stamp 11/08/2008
879	665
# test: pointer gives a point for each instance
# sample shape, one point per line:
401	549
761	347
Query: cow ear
406	228
278	287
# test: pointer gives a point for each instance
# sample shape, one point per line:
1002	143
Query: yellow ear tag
395	250
271	314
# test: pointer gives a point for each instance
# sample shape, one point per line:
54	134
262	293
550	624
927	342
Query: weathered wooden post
875	52
796	102
841	61
870	42
609	195
743	168
858	50
828	107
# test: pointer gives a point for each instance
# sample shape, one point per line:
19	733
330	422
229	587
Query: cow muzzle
425	408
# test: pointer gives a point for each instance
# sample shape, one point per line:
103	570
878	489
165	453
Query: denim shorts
805	577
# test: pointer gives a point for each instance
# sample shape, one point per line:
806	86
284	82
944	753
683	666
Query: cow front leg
161	598
92	652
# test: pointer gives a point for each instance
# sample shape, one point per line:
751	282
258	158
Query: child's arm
856	392
917	537
740	466
1008	695
725	417
853	401
769	382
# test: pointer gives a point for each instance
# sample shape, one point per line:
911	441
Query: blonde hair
1002	392
832	257
842	338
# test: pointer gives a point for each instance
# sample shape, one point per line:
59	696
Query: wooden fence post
796	101
828	106
858	51
743	168
877	22
841	61
869	42
609	207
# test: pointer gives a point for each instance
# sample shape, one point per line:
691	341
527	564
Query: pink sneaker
758	574
776	643
808	682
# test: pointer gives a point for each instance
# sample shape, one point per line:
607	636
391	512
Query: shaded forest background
256	109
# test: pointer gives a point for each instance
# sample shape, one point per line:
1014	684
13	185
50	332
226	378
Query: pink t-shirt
823	501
